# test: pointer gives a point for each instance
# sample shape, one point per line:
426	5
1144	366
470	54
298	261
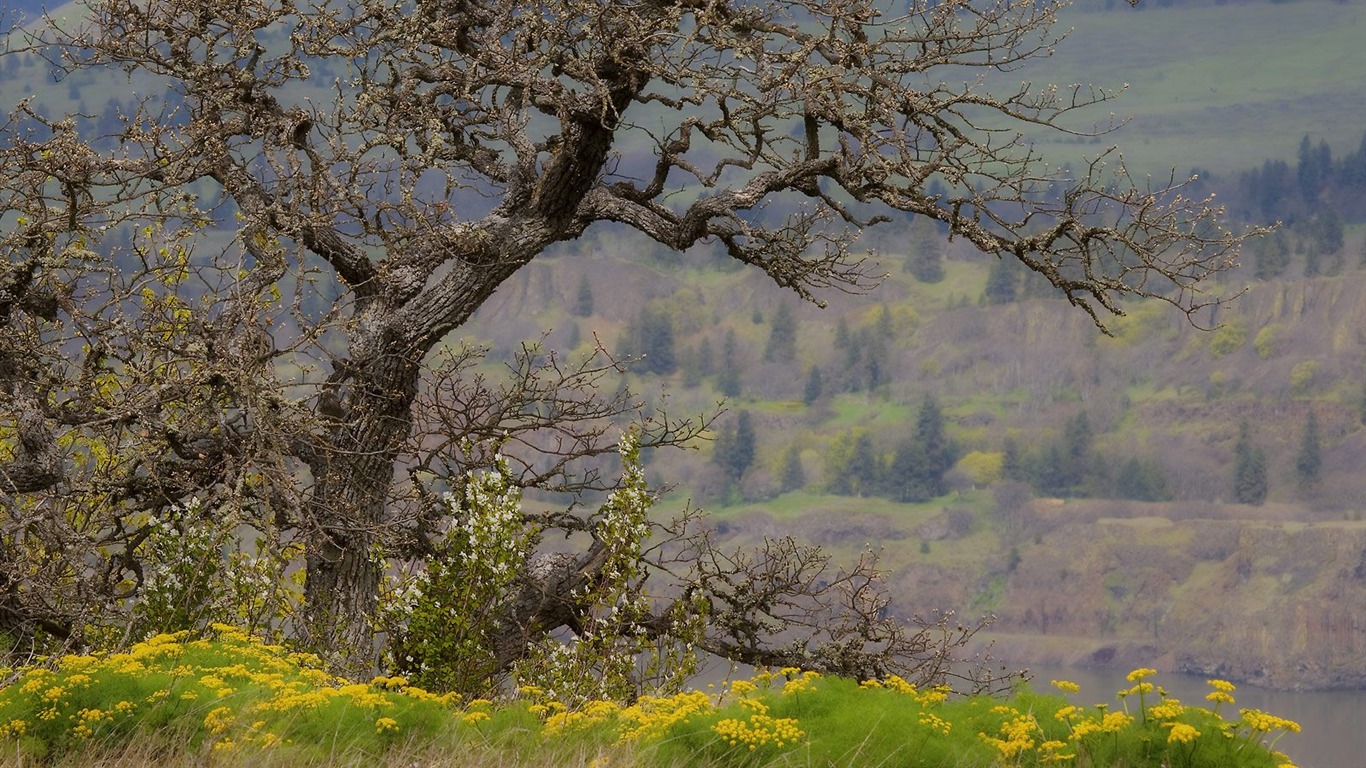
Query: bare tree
241	294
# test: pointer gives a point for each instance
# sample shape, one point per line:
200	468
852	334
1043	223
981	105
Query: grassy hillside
1220	87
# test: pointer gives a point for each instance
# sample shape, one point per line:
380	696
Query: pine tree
782	336
865	469
1077	441
916	471
1012	460
905	481
1003	282
812	392
728	377
792	477
583	298
1141	480
736	447
1309	461
939	453
1249	472
650	336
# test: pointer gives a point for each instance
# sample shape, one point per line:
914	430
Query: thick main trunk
370	401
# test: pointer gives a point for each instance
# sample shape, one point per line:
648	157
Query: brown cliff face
1282	605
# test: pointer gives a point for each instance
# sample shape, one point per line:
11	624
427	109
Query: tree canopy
236	306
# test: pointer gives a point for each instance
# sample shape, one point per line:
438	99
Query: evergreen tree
940	452
782	336
1077	442
736	447
1270	256
650	336
728	378
1309	461
1249	471
1141	480
1003	282
1328	231
839	461
704	359
792	476
905	480
1049	471
865	469
916	472
885	327
812	392
1012	460
583	298
926	263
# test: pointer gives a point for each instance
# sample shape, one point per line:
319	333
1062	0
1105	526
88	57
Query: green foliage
195	572
440	617
1141	479
583	298
609	659
736	447
1267	340
1302	376
230	699
982	468
223	694
1003	282
728	379
792	476
1309	459
811	392
650	336
1249	472
926	261
782	337
1229	337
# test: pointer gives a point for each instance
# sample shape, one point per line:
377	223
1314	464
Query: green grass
255	704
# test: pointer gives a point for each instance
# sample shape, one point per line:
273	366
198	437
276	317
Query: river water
1333	722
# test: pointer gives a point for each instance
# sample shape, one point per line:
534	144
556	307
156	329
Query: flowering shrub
440	617
605	660
196	572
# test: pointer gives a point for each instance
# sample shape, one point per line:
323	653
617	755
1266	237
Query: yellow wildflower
1181	732
1140	673
1066	686
388	725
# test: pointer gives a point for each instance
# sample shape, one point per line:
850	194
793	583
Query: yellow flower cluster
650	717
799	683
1261	722
1140	673
759	730
896	683
232	690
592	714
1181	732
1017	736
13	728
935	723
